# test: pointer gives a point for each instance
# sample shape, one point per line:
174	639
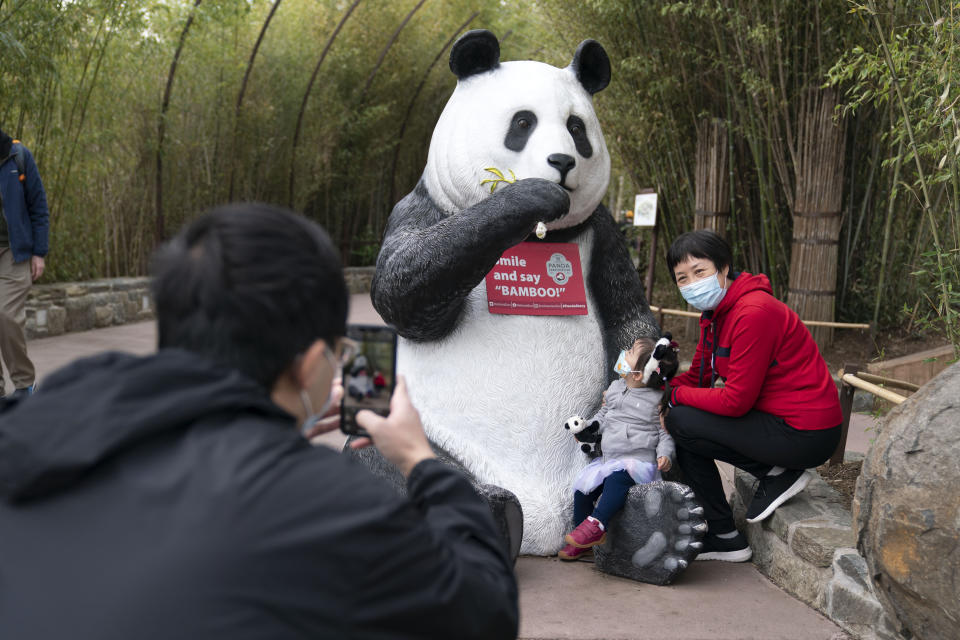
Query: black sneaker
733	549
773	491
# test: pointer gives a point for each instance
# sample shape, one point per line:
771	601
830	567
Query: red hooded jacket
766	358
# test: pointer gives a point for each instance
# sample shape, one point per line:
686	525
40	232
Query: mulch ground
843	478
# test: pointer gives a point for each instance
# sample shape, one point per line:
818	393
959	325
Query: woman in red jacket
778	410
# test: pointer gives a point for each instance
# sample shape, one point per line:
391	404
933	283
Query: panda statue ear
476	51
591	66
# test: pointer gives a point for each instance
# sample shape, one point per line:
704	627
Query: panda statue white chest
494	390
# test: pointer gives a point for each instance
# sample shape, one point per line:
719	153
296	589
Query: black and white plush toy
587	434
492	388
662	364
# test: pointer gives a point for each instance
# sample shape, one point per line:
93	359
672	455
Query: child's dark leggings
612	496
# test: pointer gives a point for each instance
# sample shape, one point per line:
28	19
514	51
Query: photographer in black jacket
173	495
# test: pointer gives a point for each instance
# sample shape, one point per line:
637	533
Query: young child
635	449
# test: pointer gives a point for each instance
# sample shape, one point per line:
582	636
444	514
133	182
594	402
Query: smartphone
370	376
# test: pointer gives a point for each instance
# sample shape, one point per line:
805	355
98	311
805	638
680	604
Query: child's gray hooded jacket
630	424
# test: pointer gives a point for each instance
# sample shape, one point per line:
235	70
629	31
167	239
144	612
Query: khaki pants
15	283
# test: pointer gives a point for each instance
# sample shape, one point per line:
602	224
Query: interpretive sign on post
538	279
645	210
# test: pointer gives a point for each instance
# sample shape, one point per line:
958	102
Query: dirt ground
843	478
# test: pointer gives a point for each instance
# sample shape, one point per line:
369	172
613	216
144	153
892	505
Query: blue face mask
315	416
623	367
704	294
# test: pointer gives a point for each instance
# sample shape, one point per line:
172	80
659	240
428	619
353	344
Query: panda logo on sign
493	389
559	268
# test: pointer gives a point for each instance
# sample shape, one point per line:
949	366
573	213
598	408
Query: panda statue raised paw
517	162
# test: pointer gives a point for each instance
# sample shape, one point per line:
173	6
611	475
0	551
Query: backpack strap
17	152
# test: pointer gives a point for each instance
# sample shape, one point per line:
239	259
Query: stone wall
358	278
807	547
55	309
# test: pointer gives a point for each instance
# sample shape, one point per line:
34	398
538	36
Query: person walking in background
24	231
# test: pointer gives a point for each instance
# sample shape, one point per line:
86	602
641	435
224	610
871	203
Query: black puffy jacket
163	497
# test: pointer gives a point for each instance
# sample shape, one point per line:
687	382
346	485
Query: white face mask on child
623	367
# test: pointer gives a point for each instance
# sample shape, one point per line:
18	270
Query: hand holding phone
370	376
399	436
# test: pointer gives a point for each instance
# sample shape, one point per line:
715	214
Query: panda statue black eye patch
578	131
521	126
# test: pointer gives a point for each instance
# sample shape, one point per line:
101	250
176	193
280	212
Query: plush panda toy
587	434
491	388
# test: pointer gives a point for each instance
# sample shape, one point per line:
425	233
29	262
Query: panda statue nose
562	163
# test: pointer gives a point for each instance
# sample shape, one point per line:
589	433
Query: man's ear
309	364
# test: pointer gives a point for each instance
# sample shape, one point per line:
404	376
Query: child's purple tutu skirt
593	475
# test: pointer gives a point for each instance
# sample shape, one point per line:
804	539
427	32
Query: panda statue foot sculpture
655	536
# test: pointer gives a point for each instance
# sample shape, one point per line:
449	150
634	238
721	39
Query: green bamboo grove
142	114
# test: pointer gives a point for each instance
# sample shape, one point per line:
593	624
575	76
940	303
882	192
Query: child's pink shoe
571	552
587	534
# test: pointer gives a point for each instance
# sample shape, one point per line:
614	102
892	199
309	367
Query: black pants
755	442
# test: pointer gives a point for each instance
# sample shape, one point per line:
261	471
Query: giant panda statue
494	390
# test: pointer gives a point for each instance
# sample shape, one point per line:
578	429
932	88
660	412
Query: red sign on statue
538	279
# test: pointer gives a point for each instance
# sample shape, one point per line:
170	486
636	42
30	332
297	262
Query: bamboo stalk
880	392
837	325
159	226
890	382
413	100
306	99
886	233
944	290
242	93
813	323
817	213
711	189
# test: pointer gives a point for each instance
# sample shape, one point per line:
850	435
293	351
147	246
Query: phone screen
369	377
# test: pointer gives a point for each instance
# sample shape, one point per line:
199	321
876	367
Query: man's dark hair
701	243
249	286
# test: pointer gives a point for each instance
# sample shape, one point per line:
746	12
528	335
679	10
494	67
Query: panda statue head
523	119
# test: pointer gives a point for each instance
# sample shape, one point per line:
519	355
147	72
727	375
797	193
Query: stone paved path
711	600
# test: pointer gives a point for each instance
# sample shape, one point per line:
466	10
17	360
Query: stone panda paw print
656	535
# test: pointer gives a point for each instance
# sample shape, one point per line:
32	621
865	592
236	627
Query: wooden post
618	207
817	210
651	260
846	406
711	188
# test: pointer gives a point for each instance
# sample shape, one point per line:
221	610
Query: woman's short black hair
250	286
701	243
